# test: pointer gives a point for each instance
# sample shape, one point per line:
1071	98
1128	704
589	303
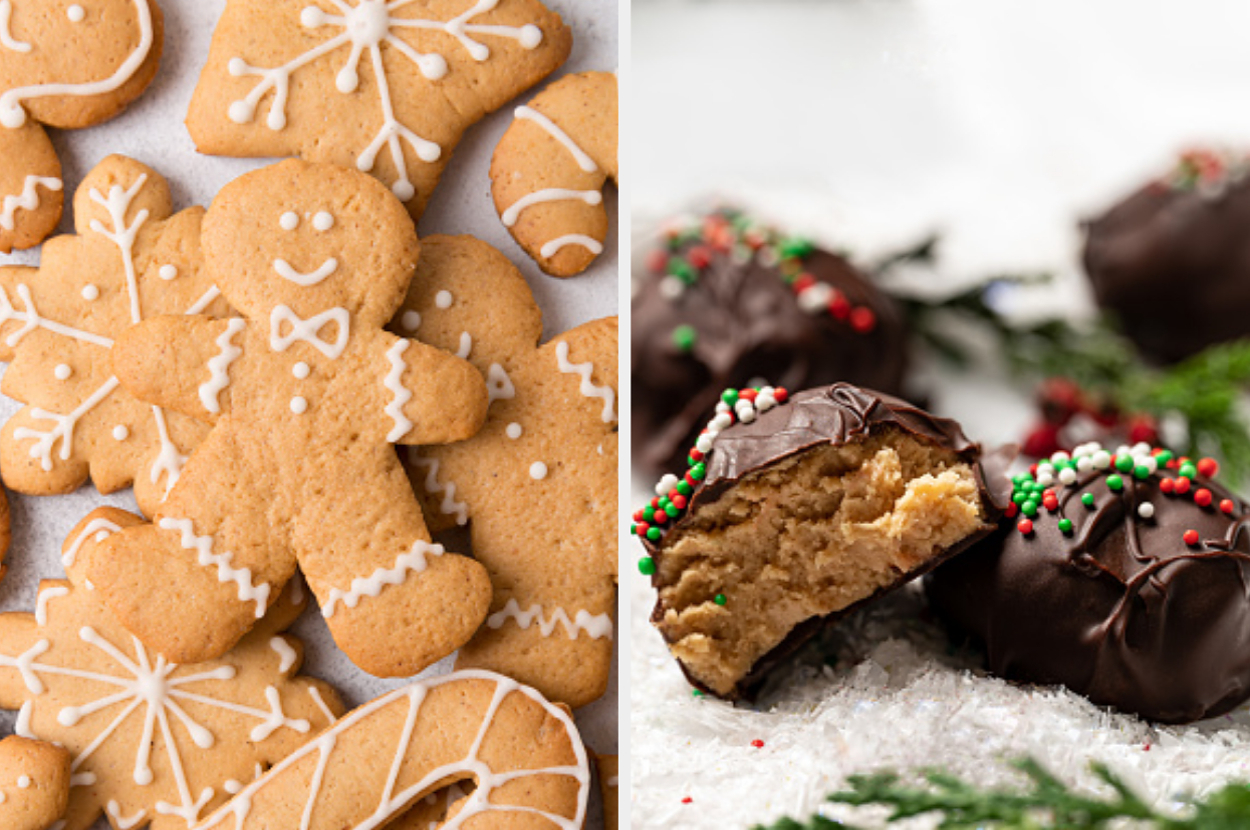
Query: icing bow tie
309	331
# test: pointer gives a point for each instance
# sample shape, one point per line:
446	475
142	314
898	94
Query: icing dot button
538	471
62	371
75	13
120	433
443	299
411	320
167	272
289	221
300	370
299	405
90	292
513	430
24	782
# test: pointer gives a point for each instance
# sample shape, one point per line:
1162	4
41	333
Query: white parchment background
151	130
869	123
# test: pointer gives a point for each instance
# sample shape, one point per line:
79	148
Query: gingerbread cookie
538	484
549	170
609	785
65	65
523	752
387	87
6	534
34	783
131	259
307	393
151	741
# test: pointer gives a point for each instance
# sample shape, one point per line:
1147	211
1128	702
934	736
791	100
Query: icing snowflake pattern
367	27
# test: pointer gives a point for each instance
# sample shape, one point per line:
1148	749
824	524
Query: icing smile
285	271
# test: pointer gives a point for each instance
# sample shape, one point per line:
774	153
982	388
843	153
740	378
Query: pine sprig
1045	804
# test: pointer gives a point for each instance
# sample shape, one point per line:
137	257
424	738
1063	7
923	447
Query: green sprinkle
1164	457
1124	463
648	513
684	487
1029	508
633	529
698	471
696	693
795	247
1020	497
1115	483
729	396
646	566
684	337
1141	471
1065	526
683	270
1188	470
1088	499
653	534
672	511
720	599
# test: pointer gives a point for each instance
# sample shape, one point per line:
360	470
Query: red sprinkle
1191	537
1012	510
1208	467
696	455
1226	506
660	517
679	501
687	800
1202	497
638	516
863	320
1182	485
747	394
1025	526
655	502
780	394
1146	748
643	527
657	262
699	256
757	743
803	282
1167	486
840	306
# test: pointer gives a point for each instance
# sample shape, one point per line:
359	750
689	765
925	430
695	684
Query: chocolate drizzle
1122	610
747	324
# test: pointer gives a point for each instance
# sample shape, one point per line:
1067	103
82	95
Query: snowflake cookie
522	752
537	486
150	740
129	260
307	394
34	783
550	168
386	86
66	65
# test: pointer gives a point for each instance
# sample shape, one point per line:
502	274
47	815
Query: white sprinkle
1145	510
538	471
1059	457
815	298
120	433
411	320
1084	464
298	405
704	443
443	299
513	430
747	417
1067	476
1045	479
667	483
1102	460
722	407
62	371
721	421
671	288
90	292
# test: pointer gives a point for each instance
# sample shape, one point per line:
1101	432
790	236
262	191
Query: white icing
45	596
21	726
323	221
100	528
23	782
587	387
202	303
301	370
285	271
583	160
28	199
120	433
450	506
391	803
6	37
31	319
286	654
366	27
309	331
242	577
443	299
538	471
90	292
513	430
76	13
288	221
551	194
299	405
13	115
167	272
62	371
124	822
82	779
400	395
411	320
498	384
596	625
321	704
411	562
466	345
219	366
62	429
553	247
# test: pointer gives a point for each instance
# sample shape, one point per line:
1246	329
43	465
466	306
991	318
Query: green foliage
1045	804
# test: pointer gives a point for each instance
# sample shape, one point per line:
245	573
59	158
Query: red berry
1202	497
1059	399
1208	467
863	320
1142	428
780	394
1227	506
657	262
1191	537
757	743
1025	526
1167	486
802	282
1182	486
699	256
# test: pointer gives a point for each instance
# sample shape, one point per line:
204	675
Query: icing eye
289	221
75	13
323	221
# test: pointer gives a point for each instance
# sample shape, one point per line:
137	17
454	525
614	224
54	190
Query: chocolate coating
1173	264
1122	610
837	414
748	325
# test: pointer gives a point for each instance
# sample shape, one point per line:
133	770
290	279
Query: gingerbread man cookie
386	86
150	740
537	485
307	394
549	170
67	65
523	753
34	783
129	260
